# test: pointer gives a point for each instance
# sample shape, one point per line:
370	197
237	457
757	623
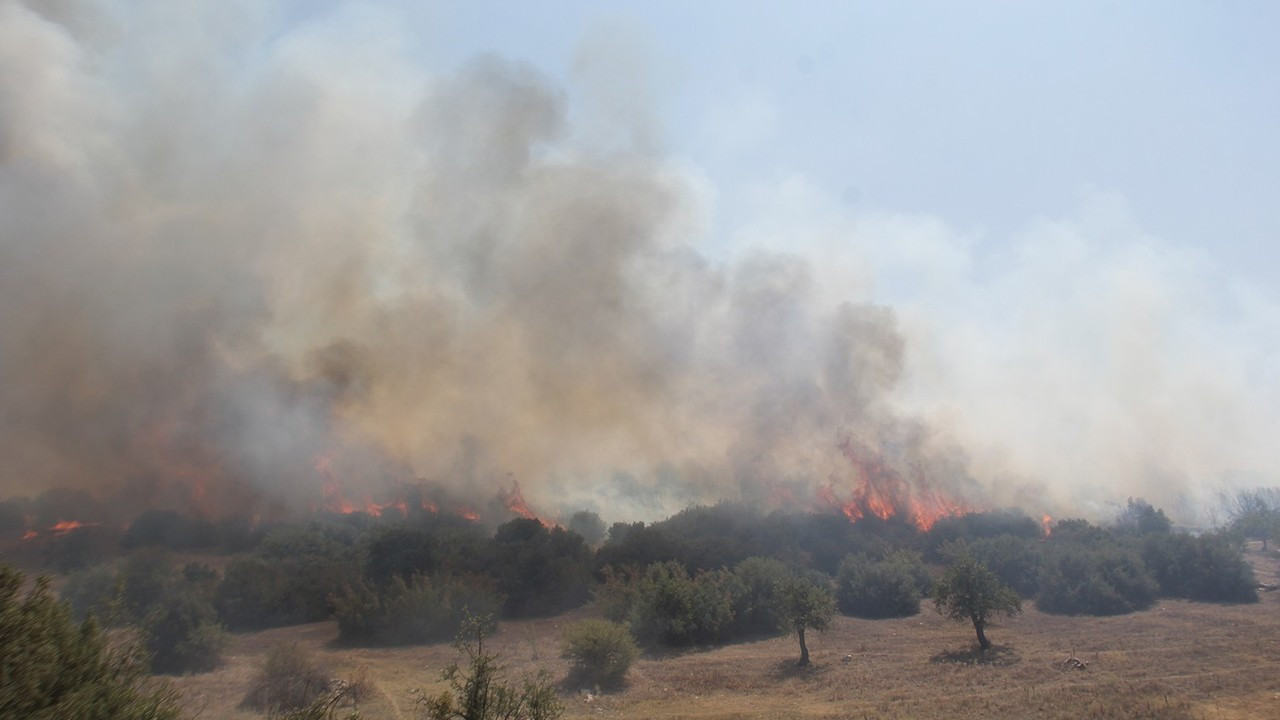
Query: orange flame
882	491
66	526
1047	523
30	535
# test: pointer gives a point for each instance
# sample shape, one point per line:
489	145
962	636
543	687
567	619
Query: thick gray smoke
215	280
239	268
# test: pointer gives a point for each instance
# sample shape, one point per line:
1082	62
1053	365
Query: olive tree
807	604
969	591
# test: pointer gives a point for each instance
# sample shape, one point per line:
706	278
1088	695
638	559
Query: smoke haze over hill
241	265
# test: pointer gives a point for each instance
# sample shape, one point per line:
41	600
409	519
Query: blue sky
984	114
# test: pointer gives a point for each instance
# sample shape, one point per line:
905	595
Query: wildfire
514	501
1047	523
881	491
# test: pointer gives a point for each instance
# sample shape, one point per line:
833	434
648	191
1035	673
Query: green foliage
173	610
599	652
888	588
182	632
422	610
288	679
969	591
53	669
1015	560
540	570
975	526
93	590
668	607
807	604
1207	568
756	593
479	691
1094	579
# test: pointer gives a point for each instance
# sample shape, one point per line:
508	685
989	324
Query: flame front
882	491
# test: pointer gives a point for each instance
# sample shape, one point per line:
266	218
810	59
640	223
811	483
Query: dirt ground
1176	660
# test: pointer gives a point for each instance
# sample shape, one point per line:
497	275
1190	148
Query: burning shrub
422	610
879	589
289	678
599	652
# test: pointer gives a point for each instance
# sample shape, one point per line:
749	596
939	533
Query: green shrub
870	589
422	610
540	570
599	652
757	596
1015	560
1208	567
1103	579
670	608
183	634
53	668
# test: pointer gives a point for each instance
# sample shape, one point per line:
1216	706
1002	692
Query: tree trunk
980	626
804	649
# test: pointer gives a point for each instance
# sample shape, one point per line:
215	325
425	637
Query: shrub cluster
891	587
663	605
420	610
599	652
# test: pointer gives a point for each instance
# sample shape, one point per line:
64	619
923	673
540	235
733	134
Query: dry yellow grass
1177	660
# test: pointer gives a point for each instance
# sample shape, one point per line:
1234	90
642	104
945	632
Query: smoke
234	250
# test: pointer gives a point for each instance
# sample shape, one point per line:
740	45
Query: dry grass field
1177	660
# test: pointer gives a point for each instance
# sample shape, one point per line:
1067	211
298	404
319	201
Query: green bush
670	608
1015	560
888	588
422	610
757	596
1103	579
599	652
183	634
540	570
53	668
1208	568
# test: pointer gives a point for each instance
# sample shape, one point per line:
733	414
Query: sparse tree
969	591
807	604
479	691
